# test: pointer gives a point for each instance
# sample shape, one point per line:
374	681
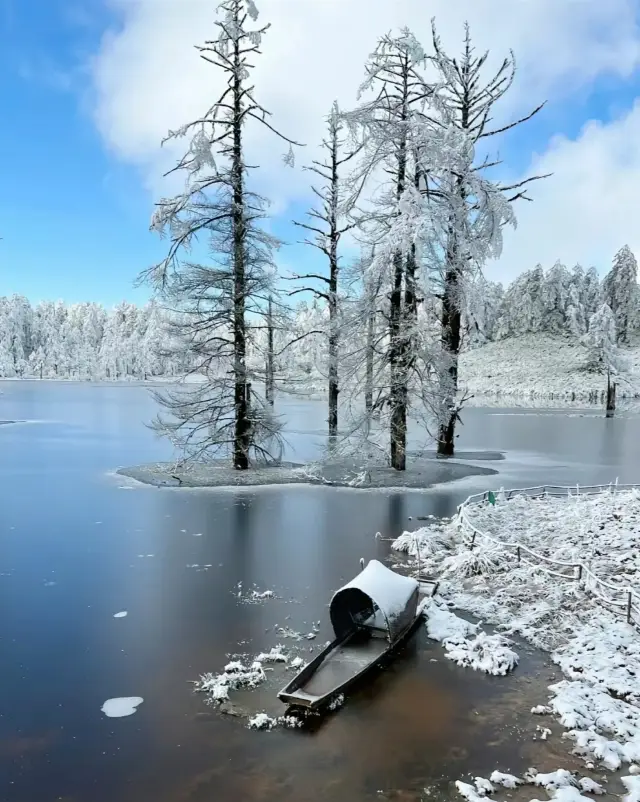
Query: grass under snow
539	366
598	702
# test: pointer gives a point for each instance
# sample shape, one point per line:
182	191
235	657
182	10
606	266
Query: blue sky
74	213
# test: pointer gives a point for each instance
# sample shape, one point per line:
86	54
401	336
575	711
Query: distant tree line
556	301
87	341
54	340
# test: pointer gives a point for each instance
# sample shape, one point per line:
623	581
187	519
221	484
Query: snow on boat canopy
377	596
371	616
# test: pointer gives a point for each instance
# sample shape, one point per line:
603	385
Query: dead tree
270	383
213	302
465	106
327	226
384	125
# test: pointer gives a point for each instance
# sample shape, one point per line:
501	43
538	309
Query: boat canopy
389	599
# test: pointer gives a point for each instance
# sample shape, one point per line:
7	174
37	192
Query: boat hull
341	664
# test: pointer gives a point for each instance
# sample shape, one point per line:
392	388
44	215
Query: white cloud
588	209
148	79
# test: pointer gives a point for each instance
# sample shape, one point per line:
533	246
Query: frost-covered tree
326	226
467	209
218	300
601	339
482	299
522	308
603	353
620	289
384	125
53	340
591	292
576	315
556	291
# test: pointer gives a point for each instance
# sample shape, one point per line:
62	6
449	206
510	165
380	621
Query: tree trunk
241	439
248	406
611	397
269	388
397	319
398	391
368	386
334	335
451	320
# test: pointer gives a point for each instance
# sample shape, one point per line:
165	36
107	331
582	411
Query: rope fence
624	599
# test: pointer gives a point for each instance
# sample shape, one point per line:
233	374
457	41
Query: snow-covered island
562	572
421	472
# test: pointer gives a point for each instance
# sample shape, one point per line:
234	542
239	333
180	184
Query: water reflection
62	653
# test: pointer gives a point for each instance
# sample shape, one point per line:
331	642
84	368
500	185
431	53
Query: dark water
70	537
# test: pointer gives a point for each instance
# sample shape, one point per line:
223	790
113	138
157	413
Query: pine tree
620	290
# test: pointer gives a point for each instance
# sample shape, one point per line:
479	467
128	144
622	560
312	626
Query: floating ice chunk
554	779
121	706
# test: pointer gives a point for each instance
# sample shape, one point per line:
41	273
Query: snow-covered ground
539	366
598	701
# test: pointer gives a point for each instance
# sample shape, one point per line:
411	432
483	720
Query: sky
90	87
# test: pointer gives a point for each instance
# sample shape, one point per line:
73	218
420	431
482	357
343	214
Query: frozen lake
76	550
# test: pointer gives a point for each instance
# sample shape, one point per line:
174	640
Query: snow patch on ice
632	784
505	780
488	653
444	626
469	792
481	652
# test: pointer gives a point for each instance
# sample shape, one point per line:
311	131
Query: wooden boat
371	616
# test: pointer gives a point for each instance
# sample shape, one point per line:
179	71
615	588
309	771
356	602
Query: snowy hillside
539	366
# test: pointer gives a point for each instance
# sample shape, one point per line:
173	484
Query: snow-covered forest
54	340
86	341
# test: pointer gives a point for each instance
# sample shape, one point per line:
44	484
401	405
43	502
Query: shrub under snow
598	651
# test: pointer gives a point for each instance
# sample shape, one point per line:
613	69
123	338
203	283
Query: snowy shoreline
420	473
598	701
